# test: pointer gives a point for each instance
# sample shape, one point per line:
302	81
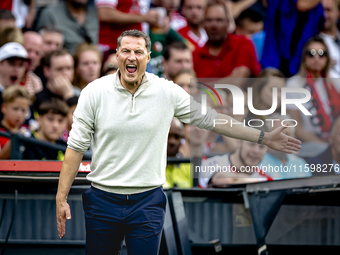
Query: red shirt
237	51
198	42
109	32
6	4
3	140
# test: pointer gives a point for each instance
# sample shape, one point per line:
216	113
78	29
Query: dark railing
18	143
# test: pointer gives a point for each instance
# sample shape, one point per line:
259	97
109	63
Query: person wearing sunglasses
324	104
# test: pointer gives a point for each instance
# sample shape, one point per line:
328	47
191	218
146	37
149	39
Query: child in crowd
52	123
15	106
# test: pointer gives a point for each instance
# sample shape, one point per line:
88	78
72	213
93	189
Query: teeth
131	66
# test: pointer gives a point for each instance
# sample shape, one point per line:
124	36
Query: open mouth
131	69
14	78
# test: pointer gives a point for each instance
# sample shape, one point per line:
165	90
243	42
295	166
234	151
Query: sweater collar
143	86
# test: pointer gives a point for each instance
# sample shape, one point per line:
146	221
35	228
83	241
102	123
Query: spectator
176	175
52	37
240	166
52	123
77	20
23	11
288	26
13	62
110	63
87	65
248	23
194	142
116	16
33	43
15	106
177	21
324	105
296	165
331	156
10	34
177	56
72	103
263	89
59	71
330	32
193	32
213	60
187	79
6	18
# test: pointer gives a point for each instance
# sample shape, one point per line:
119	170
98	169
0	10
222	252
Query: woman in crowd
324	105
87	65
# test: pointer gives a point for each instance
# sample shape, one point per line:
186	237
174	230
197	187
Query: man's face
60	66
52	125
216	24
179	59
193	11
170	5
249	27
15	112
132	59
251	154
331	14
52	41
33	45
12	71
174	139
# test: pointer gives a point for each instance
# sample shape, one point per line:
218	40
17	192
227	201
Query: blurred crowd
51	50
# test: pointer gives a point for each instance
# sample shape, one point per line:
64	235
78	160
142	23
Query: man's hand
61	86
281	142
151	17
63	213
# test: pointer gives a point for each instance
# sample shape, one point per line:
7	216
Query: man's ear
46	71
4	108
149	56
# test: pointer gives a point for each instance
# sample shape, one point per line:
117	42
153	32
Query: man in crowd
330	32
77	20
176	174
248	23
330	157
224	55
193	11
59	71
177	56
126	117
52	37
116	16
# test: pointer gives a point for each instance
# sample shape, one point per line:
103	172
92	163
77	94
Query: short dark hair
55	106
178	45
55	53
50	28
6	14
135	33
251	14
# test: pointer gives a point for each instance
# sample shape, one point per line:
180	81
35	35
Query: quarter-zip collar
143	86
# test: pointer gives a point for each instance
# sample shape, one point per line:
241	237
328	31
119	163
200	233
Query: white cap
12	50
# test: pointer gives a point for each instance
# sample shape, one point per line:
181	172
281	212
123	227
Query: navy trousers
110	217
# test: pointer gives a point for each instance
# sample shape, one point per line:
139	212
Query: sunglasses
312	52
